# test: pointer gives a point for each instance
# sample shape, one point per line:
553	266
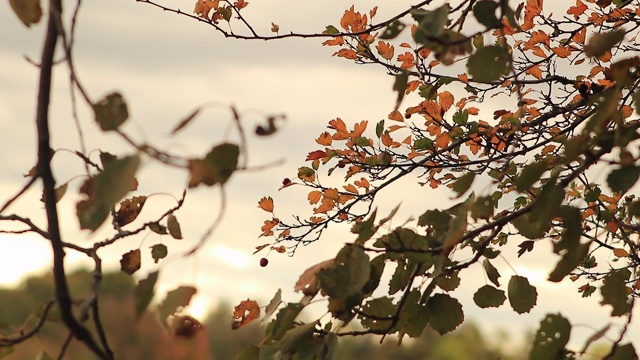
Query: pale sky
166	65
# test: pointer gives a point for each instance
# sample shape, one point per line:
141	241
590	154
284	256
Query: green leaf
492	272
273	304
551	338
377	268
295	337
423	144
449	281
348	274
400	85
174	227
413	317
104	190
488	296
530	174
331	30
174	302
284	320
535	224
158	251
614	292
522	295
28	11
623	352
445	313
380	128
572	251
111	112
622	179
482	208
485	13
392	30
400	277
430	23
250	353
376	309
488	64
463	183
143	293
461	117
600	43
217	166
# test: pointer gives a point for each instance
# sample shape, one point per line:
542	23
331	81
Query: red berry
341	165
264	262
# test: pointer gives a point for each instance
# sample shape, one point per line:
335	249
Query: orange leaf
612	226
244	313
446	100
266	204
314	197
547	149
464	78
268	226
385	50
363	183
396	115
331	194
408	60
129	210
535	71
443	140
315	155
577	10
412	86
346	53
240	4
326	205
359	128
350	188
324	139
580	36
620	252
561	51
284	233
473	111
275	27
337	41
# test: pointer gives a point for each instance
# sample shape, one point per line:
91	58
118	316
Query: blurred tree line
147	339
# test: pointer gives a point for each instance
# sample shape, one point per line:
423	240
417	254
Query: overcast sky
166	65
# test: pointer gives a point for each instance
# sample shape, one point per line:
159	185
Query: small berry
264	262
341	165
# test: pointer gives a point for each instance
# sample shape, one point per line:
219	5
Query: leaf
266	204
60	191
308	282
43	355
614	292
157	228
488	296
244	313
530	174
273	304
414	316
525	246
104	190
275	27
174	301
485	12
158	251
130	262
129	210
623	352
184	122
392	30
111	112
619	252
522	295
622	179
143	293
378	308
445	313
599	44
488	64
28	11
296	337
492	272
347	275
174	227
551	338
284	320
482	208
216	167
400	85
430	23
463	183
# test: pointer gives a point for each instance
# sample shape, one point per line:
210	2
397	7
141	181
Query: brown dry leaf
308	283
174	227
130	261
129	210
244	313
